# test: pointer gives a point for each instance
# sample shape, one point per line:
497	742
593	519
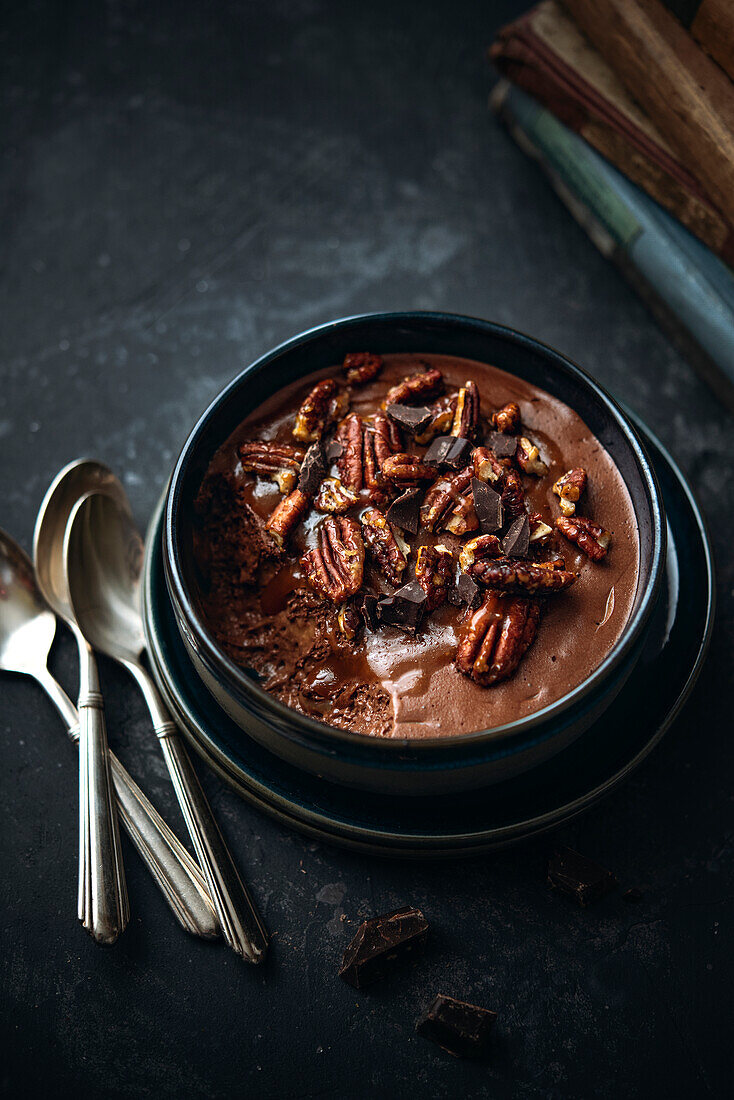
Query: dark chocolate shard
467	592
414	418
439	448
334	449
578	877
458	454
461	1029
405	512
488	506
503	446
313	470
381	943
368	609
516	542
633	895
405	608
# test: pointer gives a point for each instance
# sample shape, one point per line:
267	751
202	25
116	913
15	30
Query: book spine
683	283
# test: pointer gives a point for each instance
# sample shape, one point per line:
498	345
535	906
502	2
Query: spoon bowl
27	624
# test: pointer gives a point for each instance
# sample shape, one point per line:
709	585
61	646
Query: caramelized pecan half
335	567
349	463
466	416
463	517
513	495
569	488
334	497
496	636
442	417
480	548
382	544
419	387
588	536
361	367
278	461
286	517
506	419
540	531
443	495
405	470
322	406
522	577
487	467
434	571
527	456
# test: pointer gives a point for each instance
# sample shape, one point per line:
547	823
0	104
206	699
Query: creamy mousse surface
386	681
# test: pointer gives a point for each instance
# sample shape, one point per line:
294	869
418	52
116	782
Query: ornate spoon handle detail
176	873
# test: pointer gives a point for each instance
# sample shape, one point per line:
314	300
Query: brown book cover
545	53
711	22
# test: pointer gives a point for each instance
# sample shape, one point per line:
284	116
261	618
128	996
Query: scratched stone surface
183	186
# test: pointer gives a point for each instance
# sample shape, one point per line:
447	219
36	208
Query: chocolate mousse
415	546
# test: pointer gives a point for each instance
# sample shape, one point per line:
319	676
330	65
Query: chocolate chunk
517	540
334	450
579	877
467	592
368	609
503	446
405	608
414	418
439	448
458	454
313	470
405	512
380	943
488	506
461	1029
633	895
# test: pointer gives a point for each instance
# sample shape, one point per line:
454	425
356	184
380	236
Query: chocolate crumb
334	449
466	593
405	511
405	608
633	895
368	608
459	1028
578	877
381	943
488	506
439	448
503	446
458	454
516	542
313	470
414	418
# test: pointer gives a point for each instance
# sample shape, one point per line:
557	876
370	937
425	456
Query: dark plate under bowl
439	764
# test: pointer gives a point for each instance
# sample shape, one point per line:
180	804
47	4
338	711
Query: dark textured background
186	185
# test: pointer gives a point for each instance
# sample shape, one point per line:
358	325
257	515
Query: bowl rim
330	737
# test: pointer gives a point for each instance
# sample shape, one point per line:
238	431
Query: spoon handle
176	873
242	926
103	904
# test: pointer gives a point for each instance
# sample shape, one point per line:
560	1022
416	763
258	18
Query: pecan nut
487	467
592	539
278	461
334	497
528	458
569	488
335	567
286	516
434	571
405	469
383	545
513	495
495	638
540	531
443	495
480	548
463	517
349	463
349	621
442	417
523	577
321	407
506	419
466	416
419	387
361	367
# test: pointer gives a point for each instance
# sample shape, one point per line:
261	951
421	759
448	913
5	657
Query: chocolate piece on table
503	446
405	511
516	542
313	470
467	592
414	418
461	1029
458	455
405	608
439	448
579	877
380	943
368	607
488	506
334	449
633	895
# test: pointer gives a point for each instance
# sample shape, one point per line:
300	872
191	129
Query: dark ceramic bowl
450	763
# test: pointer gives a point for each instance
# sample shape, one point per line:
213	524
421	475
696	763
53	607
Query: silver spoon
104	556
103	906
27	628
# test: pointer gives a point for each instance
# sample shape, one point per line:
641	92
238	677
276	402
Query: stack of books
632	119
